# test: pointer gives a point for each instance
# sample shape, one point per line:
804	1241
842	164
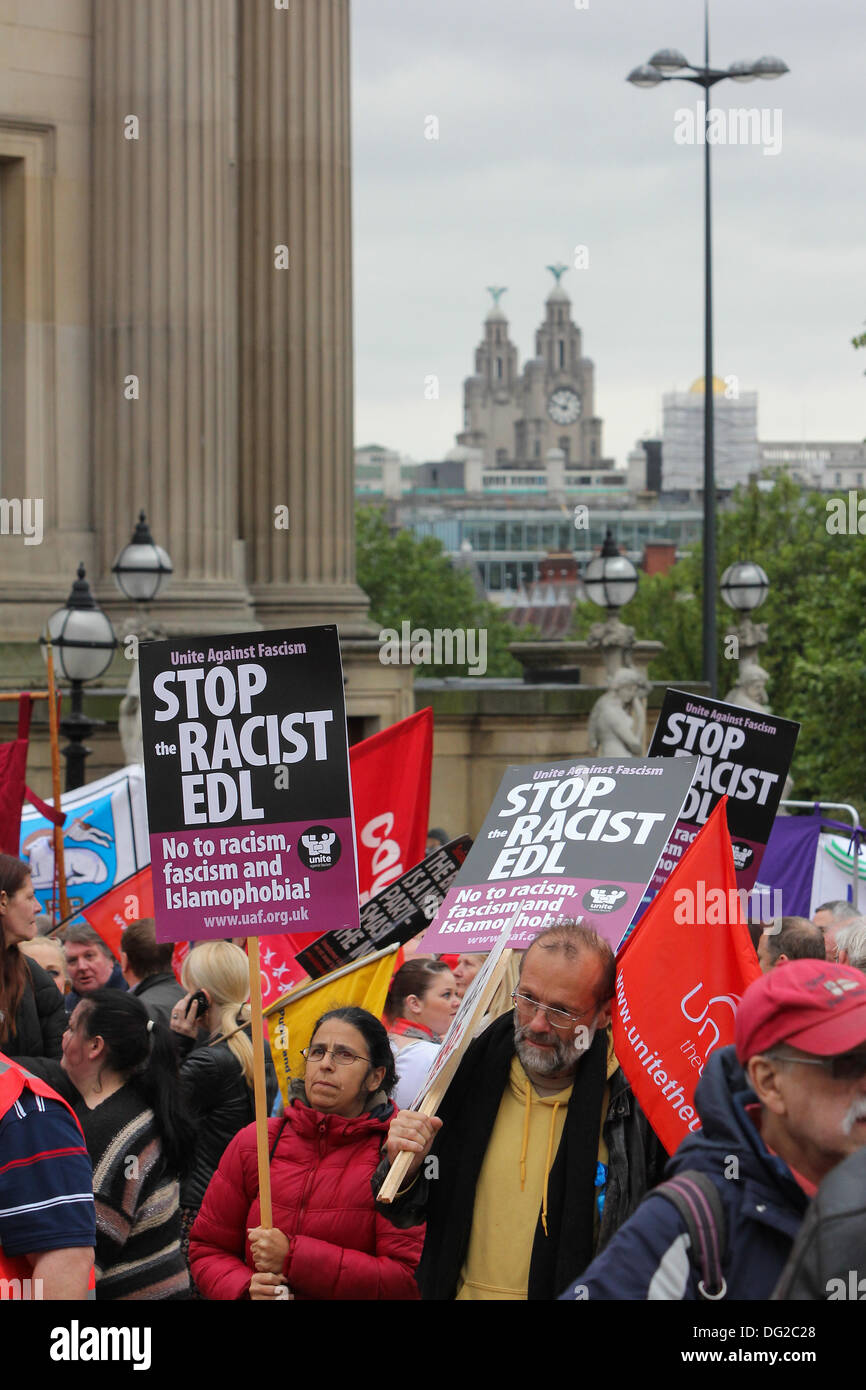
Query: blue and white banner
105	838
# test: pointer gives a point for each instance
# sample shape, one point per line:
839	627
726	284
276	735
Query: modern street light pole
667	66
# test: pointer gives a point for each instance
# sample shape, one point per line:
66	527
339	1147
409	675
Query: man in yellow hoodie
541	1150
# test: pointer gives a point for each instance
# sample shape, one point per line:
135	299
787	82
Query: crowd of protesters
128	1148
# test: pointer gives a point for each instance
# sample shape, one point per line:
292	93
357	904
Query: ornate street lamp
610	579
669	65
142	565
83	643
744	586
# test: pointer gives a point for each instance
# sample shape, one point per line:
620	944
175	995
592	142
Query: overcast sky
543	146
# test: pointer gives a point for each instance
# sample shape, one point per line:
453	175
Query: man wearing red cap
779	1111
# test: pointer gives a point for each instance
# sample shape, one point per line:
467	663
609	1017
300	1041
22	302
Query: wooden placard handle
260	1090
400	1167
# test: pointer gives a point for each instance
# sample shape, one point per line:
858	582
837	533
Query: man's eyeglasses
342	1056
849	1066
558	1018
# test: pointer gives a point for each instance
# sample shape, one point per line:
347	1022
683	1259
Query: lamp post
669	65
743	587
139	572
83	643
142	565
610	579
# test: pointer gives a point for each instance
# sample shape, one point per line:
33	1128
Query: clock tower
557	397
490	397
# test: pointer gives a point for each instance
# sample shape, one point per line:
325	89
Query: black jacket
159	994
222	1103
763	1206
828	1260
41	1019
468	1114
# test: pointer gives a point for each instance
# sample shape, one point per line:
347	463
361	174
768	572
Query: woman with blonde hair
211	1027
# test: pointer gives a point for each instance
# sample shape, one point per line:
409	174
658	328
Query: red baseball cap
813	1005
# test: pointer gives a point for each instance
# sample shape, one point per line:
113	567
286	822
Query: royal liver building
515	418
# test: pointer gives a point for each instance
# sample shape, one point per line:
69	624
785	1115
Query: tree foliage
816	648
408	579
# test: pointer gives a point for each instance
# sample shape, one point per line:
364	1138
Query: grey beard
563	1057
856	1112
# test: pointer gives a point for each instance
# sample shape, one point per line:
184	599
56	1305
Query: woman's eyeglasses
342	1056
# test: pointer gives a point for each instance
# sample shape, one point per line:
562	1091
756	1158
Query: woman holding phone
211	1028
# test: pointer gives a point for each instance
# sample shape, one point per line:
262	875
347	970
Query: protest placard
247	772
473	1006
249	804
394	915
742	754
563	840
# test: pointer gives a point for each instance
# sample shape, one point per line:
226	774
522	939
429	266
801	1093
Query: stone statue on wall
615	640
617	722
749	637
750	690
129	720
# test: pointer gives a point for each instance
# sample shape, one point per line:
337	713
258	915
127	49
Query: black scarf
468	1113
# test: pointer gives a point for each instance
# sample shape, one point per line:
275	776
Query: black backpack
697	1200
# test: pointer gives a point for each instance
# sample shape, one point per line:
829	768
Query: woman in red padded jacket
328	1241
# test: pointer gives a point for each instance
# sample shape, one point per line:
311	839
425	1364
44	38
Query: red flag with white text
391	795
680	978
122	904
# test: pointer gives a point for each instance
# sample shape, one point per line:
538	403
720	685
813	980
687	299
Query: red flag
178	956
280	971
679	981
391	794
122	904
13	760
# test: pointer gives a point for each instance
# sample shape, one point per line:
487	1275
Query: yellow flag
290	1023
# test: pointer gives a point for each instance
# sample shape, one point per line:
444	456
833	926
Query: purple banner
249	882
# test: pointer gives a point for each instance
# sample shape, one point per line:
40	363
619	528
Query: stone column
165	299
296	390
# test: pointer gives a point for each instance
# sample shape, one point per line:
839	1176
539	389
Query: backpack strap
697	1200
277	1140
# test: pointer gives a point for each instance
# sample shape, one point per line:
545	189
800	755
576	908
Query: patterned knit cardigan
138	1254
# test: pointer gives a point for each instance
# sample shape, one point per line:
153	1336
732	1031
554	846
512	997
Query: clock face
564	406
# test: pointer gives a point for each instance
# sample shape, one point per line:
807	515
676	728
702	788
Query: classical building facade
176	292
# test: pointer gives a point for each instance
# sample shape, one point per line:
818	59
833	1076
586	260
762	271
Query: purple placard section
471	918
747	857
742	754
260	880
